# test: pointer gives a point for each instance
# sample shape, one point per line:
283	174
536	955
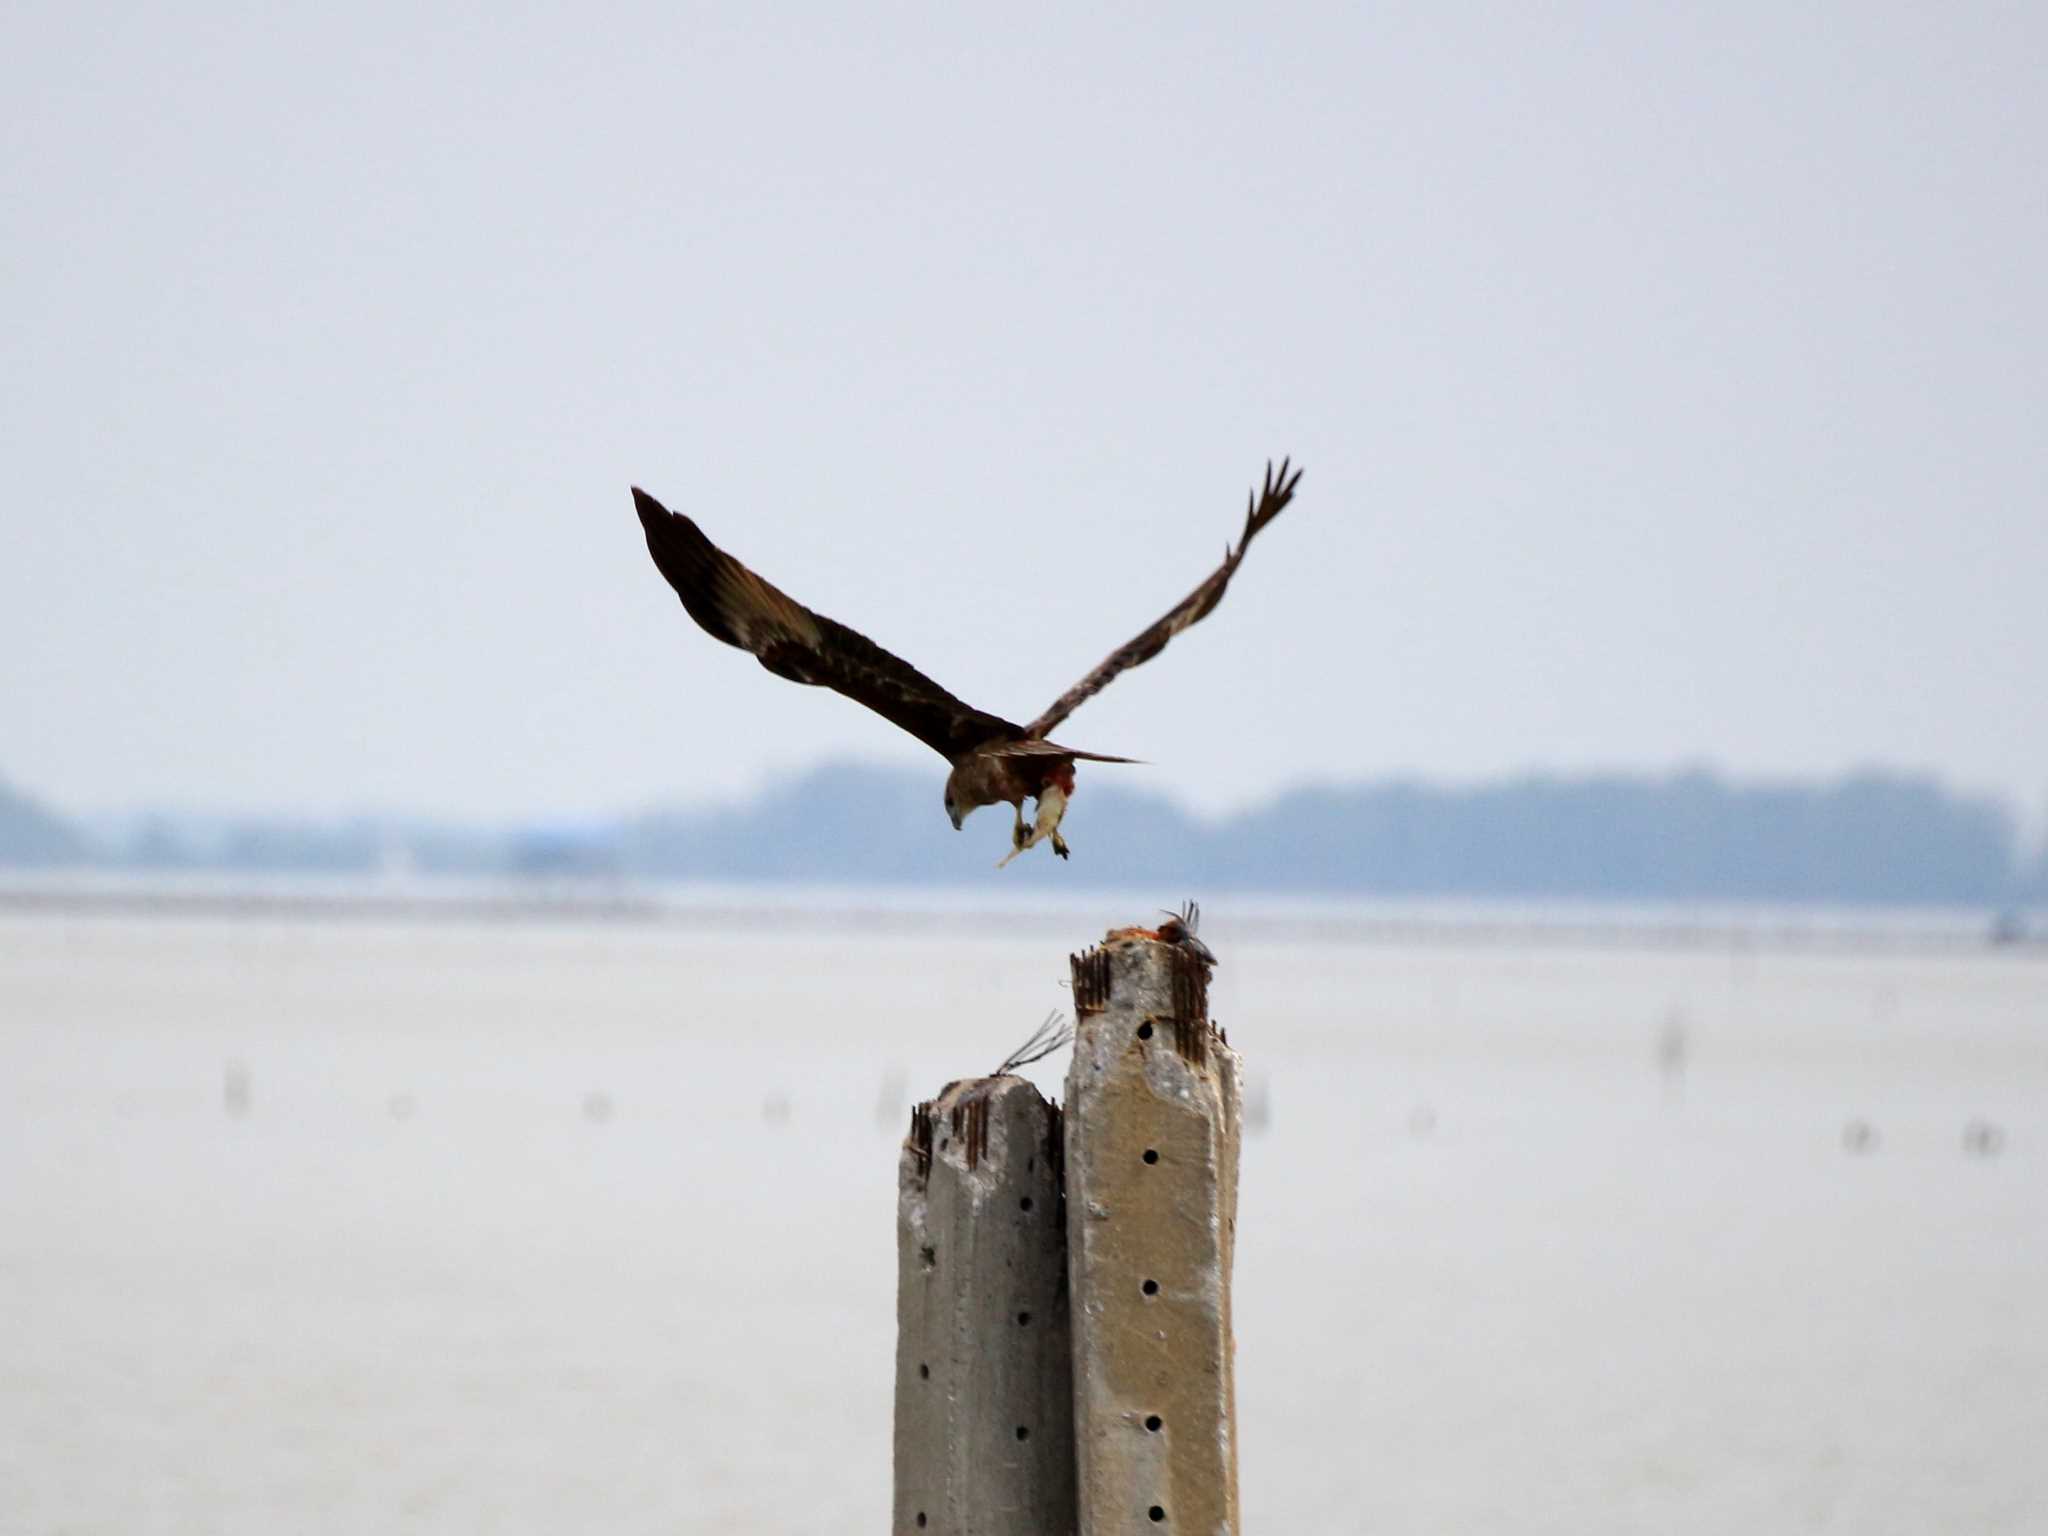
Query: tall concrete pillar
1153	1121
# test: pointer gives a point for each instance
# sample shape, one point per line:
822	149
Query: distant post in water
1153	1123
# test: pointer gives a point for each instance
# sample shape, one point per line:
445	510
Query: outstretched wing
731	603
1192	609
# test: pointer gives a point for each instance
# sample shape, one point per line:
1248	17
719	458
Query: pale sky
1672	385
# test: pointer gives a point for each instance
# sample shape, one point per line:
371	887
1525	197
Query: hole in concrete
1150	1287
1151	1154
1023	1433
1023	1319
1145	1031
1154	1423
1024	1204
944	1144
1155	1513
924	1373
920	1519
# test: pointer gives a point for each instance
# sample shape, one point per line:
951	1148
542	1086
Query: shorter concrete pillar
984	1383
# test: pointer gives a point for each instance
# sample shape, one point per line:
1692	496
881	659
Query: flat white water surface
534	1227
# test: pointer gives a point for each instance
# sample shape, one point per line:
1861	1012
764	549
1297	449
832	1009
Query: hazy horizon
1884	839
781	780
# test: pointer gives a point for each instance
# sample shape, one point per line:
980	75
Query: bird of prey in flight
993	759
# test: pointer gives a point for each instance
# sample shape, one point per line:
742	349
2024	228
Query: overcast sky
1672	385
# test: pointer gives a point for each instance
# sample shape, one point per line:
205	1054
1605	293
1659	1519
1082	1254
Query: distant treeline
1874	837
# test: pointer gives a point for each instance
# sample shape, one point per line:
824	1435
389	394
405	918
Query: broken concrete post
1153	1122
984	1376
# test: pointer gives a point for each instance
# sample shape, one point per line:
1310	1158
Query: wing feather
731	603
1190	610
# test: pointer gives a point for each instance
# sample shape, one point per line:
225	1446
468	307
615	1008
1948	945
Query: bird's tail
1038	746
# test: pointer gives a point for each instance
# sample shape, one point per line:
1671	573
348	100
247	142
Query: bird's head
959	799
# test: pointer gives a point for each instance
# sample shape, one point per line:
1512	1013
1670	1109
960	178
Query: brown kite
993	759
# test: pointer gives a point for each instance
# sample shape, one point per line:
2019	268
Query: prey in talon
1052	805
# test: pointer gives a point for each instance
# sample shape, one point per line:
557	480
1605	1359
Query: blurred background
456	1018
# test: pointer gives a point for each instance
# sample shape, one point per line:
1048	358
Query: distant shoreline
907	909
1686	841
